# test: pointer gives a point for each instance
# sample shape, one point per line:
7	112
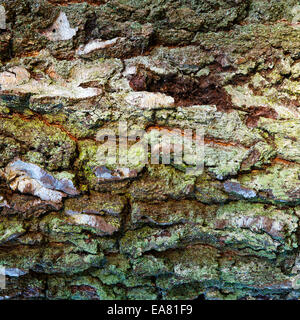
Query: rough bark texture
74	228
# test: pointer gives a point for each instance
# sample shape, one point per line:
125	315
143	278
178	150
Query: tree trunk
97	101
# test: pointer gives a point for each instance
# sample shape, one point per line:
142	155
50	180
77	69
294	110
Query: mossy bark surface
75	227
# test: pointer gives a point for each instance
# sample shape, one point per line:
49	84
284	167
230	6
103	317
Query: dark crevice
185	90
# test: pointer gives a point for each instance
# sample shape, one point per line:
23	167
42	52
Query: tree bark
74	225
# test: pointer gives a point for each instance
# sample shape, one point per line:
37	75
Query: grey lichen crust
73	227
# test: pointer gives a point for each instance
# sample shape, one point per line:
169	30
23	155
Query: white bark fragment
96	45
18	80
60	30
2	18
15	272
92	221
13	77
238	189
30	178
149	100
130	70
